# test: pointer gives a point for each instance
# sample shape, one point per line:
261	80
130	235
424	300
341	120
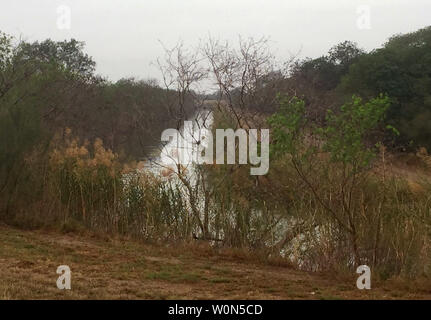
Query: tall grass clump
93	188
86	181
155	209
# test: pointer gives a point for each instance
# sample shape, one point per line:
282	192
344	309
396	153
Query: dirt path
120	269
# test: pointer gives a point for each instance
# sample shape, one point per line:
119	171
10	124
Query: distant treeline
50	86
56	82
401	69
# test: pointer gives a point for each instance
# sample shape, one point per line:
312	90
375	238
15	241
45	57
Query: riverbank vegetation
349	179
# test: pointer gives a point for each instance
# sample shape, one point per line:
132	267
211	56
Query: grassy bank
115	268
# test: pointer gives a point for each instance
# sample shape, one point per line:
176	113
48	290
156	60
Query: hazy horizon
124	38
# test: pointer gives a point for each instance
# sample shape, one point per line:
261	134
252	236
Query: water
182	148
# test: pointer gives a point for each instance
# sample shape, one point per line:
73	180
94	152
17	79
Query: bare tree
241	75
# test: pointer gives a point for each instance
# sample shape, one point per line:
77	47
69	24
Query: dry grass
112	268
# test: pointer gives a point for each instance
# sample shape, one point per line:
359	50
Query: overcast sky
123	36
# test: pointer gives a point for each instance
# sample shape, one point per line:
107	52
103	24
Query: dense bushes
356	209
331	200
402	70
48	86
